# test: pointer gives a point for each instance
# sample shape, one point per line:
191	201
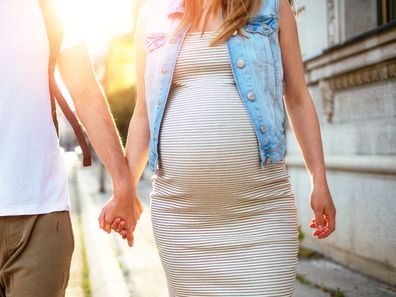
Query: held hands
324	210
121	214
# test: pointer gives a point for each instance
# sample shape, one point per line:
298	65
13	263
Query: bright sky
98	20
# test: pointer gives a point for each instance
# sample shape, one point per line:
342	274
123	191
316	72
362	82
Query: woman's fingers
325	227
330	225
115	223
312	224
129	237
330	218
120	227
319	219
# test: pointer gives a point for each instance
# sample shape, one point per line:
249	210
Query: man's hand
121	214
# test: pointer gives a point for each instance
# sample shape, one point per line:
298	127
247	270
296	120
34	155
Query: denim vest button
263	129
251	96
268	161
241	63
265	25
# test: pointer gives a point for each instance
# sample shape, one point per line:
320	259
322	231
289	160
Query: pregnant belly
207	133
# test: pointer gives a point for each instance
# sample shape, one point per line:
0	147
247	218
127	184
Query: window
386	11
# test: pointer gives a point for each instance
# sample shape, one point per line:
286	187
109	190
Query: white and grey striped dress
223	225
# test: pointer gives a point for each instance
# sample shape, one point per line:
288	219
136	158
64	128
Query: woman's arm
304	122
139	133
136	151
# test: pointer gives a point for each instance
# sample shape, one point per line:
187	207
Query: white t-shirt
32	171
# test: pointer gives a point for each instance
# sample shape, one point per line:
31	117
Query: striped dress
223	225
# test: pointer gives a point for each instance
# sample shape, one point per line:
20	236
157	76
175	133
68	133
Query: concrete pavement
77	287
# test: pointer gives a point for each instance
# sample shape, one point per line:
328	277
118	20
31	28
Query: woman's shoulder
155	14
269	7
156	7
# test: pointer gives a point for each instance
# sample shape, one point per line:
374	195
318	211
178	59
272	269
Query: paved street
137	271
77	286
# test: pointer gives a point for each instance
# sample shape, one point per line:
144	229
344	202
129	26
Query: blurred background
349	53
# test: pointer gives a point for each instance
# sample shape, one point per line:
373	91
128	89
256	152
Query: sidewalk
78	283
137	271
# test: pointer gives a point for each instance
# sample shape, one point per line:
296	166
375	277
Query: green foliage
301	234
303	251
308	253
122	104
333	293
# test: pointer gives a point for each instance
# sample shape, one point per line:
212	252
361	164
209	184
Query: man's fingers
140	206
101	219
107	220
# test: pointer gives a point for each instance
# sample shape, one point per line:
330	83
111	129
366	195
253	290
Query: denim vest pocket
263	24
154	41
153	45
266	26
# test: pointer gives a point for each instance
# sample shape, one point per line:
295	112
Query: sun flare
98	20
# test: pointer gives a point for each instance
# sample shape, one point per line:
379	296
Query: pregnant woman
215	81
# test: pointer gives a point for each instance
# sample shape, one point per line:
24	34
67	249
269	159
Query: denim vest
256	65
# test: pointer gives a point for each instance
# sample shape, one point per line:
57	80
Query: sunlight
98	20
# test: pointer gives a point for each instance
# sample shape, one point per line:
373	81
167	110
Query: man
36	239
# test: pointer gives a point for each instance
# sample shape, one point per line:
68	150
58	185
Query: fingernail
320	227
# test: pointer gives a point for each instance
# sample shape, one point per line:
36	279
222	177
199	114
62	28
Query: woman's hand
138	207
324	210
121	215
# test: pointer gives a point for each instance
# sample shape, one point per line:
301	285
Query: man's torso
32	172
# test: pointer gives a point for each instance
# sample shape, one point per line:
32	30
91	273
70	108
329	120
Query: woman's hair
235	14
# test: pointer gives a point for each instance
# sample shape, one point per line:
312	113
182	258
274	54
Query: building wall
359	16
312	14
353	85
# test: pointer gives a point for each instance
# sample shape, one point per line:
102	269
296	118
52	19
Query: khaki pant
35	255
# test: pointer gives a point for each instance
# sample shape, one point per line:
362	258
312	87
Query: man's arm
78	75
77	72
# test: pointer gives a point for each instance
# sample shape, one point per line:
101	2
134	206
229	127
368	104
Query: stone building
349	52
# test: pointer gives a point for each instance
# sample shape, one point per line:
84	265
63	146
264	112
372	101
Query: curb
105	274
